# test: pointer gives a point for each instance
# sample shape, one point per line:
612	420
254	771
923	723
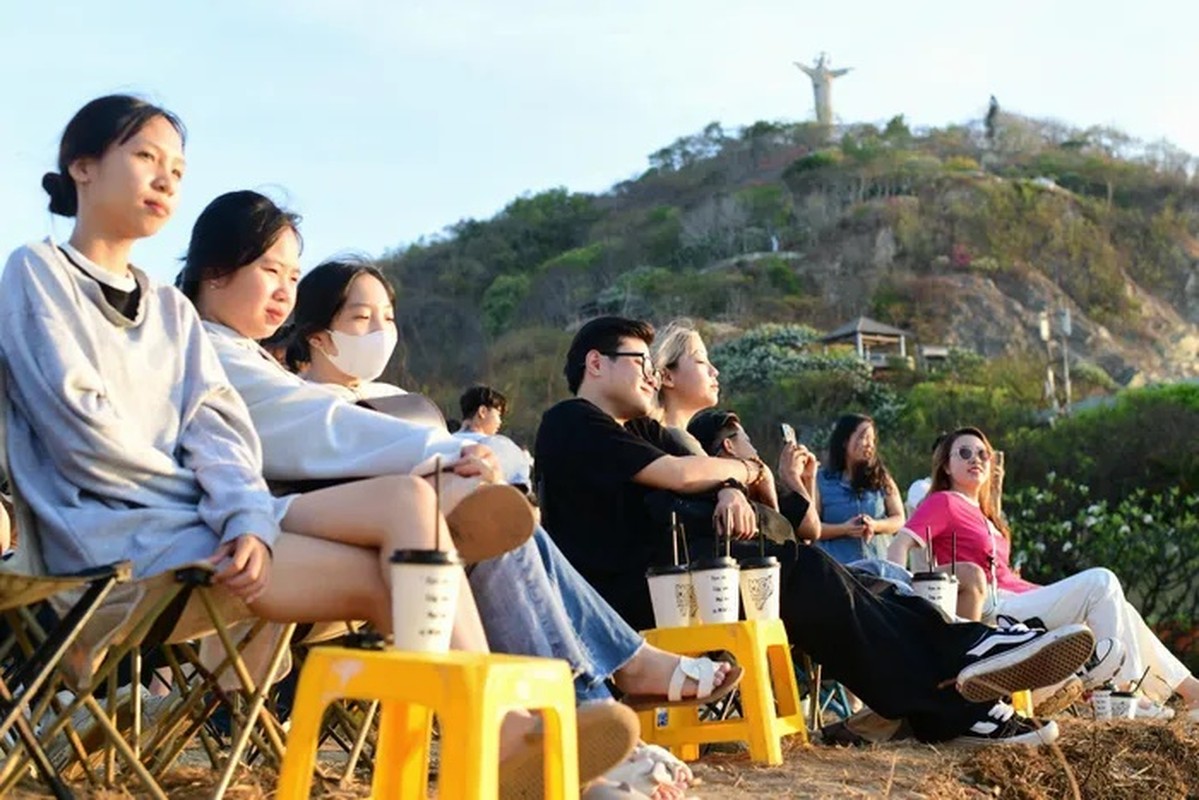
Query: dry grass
1112	761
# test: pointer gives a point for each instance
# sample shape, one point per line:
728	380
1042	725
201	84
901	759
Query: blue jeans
533	602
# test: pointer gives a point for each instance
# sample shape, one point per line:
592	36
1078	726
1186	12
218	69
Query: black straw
953	553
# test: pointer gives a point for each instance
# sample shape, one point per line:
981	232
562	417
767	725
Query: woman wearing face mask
344	329
531	600
127	441
344	332
858	498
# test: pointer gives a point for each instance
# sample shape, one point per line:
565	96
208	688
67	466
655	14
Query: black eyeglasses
647	366
965	453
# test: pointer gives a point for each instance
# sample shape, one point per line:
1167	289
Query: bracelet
761	472
733	483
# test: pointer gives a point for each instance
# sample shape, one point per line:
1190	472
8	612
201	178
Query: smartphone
788	433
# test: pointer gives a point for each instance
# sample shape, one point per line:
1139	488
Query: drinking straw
437	501
683	536
930	557
674	536
953	553
1137	686
728	544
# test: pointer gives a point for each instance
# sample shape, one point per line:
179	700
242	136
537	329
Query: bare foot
650	669
516	726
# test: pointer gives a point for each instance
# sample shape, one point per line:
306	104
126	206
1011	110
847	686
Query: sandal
607	733
703	672
652	771
489	521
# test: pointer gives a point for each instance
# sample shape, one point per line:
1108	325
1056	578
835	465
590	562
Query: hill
960	237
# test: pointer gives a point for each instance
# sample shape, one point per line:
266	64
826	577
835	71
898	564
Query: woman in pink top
962	500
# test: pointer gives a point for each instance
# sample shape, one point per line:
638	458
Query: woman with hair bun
128	443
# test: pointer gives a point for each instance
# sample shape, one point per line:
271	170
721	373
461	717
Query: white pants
1095	597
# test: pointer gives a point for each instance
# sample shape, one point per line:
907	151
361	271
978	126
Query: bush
1151	540
1144	440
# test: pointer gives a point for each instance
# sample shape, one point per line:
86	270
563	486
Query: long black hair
106	121
233	231
321	295
871	475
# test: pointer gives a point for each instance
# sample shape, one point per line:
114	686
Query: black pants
890	650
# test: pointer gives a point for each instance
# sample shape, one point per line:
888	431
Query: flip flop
490	521
703	672
607	734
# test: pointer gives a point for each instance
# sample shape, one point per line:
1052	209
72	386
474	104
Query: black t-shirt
585	462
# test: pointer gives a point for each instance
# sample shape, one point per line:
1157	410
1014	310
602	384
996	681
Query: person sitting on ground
127	442
530	600
720	434
858	498
688	385
483	410
599	453
963	501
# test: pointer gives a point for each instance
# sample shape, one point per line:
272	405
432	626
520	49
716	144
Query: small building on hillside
873	341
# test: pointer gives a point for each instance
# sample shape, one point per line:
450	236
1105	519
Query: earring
212	284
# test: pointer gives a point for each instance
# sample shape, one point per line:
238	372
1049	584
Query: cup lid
944	577
666	569
1123	694
720	562
429	557
758	562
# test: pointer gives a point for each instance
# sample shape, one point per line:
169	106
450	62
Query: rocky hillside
960	236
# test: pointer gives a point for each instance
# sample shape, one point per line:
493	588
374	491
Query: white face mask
363	357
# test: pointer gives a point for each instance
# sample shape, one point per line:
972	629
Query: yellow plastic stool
1022	702
763	652
469	692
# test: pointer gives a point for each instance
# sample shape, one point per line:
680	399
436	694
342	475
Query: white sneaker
1002	725
1151	709
1103	664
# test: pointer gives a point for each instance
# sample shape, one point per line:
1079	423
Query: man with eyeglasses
599	454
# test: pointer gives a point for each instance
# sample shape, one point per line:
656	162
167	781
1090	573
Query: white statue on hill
822	87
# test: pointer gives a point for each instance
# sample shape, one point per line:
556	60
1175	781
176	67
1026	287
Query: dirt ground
1094	761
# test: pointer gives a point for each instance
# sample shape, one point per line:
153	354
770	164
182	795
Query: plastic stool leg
401	765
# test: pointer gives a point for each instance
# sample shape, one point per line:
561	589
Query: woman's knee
971	578
1104	580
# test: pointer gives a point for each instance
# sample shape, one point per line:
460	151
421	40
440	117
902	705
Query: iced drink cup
938	588
716	593
424	599
760	587
671	595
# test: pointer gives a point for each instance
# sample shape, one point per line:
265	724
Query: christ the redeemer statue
822	86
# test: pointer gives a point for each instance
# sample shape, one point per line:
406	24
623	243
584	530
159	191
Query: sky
384	121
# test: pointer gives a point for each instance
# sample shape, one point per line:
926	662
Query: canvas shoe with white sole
1015	657
1104	664
1002	725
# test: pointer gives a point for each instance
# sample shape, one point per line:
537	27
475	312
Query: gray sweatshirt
309	432
125	438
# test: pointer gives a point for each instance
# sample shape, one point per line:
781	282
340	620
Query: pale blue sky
384	121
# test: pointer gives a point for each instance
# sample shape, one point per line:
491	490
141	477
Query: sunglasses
966	453
647	366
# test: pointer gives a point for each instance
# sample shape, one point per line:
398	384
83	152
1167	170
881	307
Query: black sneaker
1016	657
1002	725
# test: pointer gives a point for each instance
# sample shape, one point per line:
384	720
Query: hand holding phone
788	433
